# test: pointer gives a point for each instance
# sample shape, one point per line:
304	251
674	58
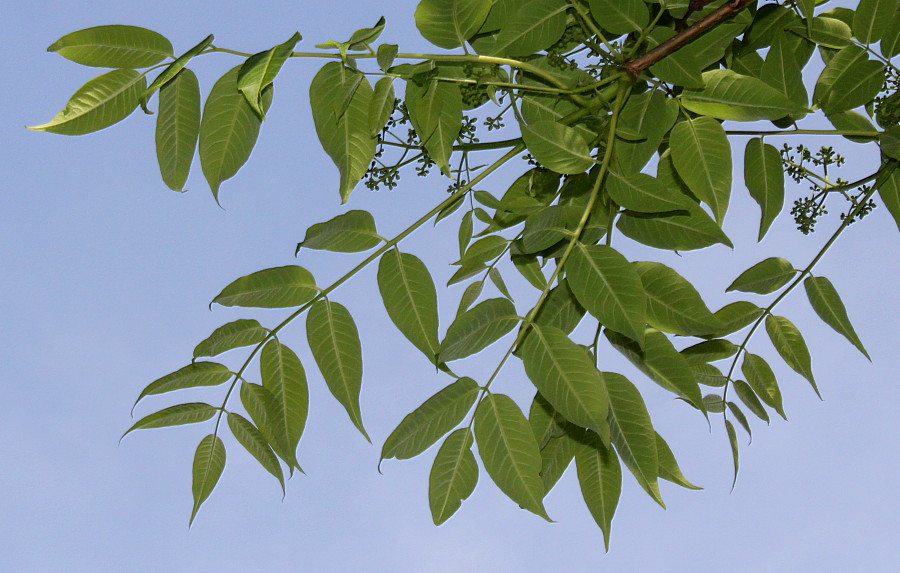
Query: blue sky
105	285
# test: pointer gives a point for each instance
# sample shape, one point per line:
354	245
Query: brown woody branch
635	66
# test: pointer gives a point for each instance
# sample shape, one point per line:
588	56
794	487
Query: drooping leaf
469	296
173	69
449	23
278	287
621	17
557	147
849	80
643	193
650	114
113	47
600	478
560	309
340	98
668	465
260	70
410	299
732	440
824	31
750	399
236	334
673	304
549	226
783	69
764	177
256	445
190	413
676	231
283	376
228	130
740	417
827	303
385	56
334	342
730	95
209	461
362	38
709	375
682	67
702	156
764	277
435	110
889	191
890	41
557	455
382	105
350	232
509	452
566	377
178	128
737	315
536	25
769	20
632	433
425	425
101	102
262	408
790	345
714	403
709	351
453	476
871	19
608	286
193	375
478	328
762	380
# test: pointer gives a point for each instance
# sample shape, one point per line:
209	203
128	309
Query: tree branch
635	66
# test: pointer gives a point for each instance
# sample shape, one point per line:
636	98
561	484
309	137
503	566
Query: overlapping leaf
283	376
478	328
410	299
193	375
764	277
762	380
729	95
259	71
702	156
557	147
764	178
241	332
673	304
255	443
453	476
600	478
449	23
435	109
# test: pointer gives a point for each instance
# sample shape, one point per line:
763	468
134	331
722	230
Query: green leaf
191	376
668	465
557	147
484	250
740	417
729	95
737	315
410	299
790	345
871	19
620	17
702	156
425	425
477	328
350	232
173	69
549	226
261	405
101	102
209	462
382	105
535	26
228	130
709	375
673	231
600	479
608	286
764	177
113	47
764	277
681	68
560	309
714	403
853	121
566	377
340	98
632	433
469	296
278	287
750	399
361	38
254	442
180	414
453	476
334	342
890	41
509	453
449	23
783	69
236	334
556	456
761	378
435	110
178	128
283	376
530	270
709	351
385	56
659	360
650	114
259	71
673	304
848	81
827	32
732	439
769	20
643	193
889	191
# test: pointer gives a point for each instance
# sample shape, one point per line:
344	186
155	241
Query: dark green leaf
674	231
113	47
435	417
790	345
351	232
827	303
254	442
261	405
190	413
557	147
535	26
177	128
334	342
385	56
236	334
871	19
737	315
732	439
209	461
193	375
278	287
702	156
643	193
361	38
740	417
729	95
560	309
620	17
435	110
761	378
410	299
714	403
600	478
478	328
173	69
889	191
764	177
453	476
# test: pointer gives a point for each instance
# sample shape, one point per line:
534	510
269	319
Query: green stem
849	132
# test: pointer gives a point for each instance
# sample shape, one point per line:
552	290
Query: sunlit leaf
178	128
173	69
600	479
334	342
209	461
190	413
259	71
557	147
350	232
848	81
729	95
449	23
283	376
278	287
410	299
453	476
790	345
478	328
765	276
702	155
236	334
382	105
113	47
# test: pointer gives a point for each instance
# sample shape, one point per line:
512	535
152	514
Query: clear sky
106	277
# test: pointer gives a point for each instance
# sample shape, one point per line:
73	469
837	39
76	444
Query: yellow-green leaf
178	128
410	299
113	47
256	445
278	287
209	461
702	156
790	345
764	277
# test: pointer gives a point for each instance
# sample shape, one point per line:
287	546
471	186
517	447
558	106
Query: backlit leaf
643	193
762	380
193	375
764	178
889	191
536	25
673	304
737	315
849	80
173	69
283	376
668	465
827	303
478	328
560	309
350	232
600	479
765	276
262	408
410	299
453	476
449	23
178	128
740	417
871	19
557	147
709	351
729	95
790	345
254	442
750	399
236	334
382	105
260	70
732	440
620	17
209	461
702	156
278	287
676	231
425	425
435	110
334	342
113	47
509	453
180	414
